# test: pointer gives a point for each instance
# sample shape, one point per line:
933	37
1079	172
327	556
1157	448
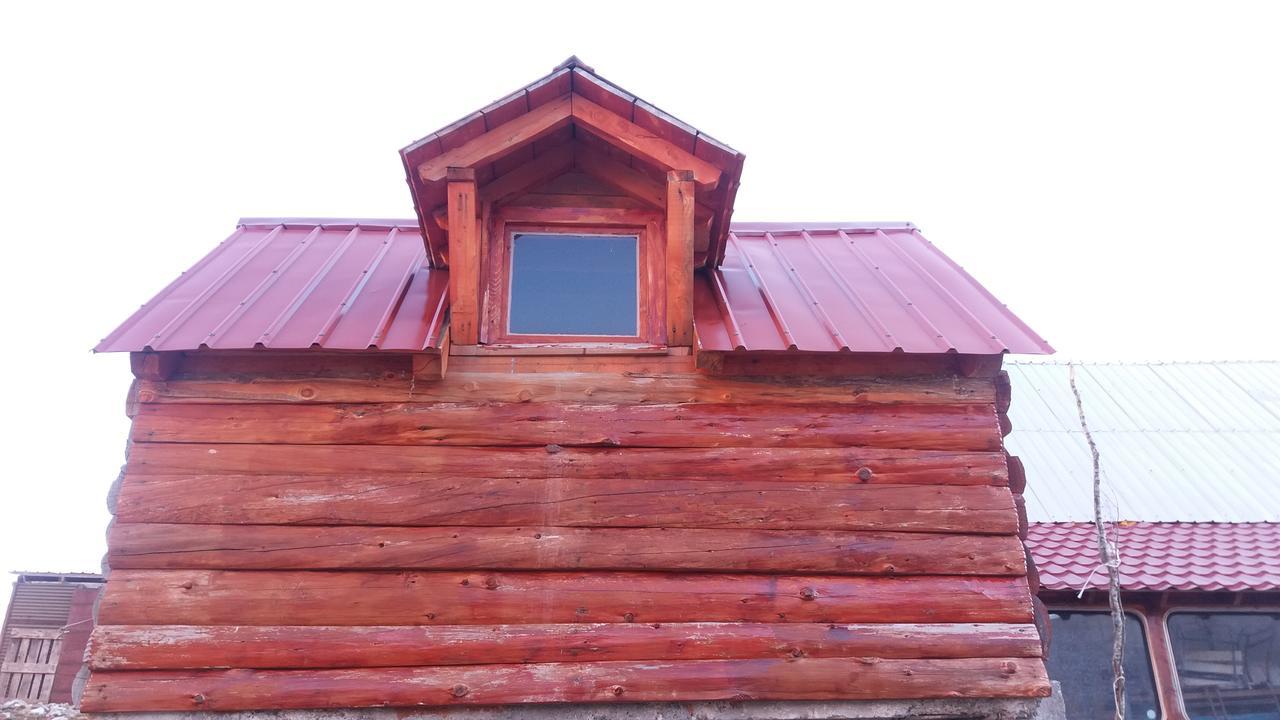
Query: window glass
1228	664
573	285
1080	659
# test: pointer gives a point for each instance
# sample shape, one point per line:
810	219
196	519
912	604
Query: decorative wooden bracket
464	257
680	210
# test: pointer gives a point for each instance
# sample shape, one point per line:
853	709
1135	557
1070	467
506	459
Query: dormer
572	212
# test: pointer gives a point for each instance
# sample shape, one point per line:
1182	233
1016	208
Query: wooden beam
864	678
643	143
438	597
470	384
736	464
546	166
501	140
464	257
680	195
920	427
192	647
467	501
154	365
639	186
181	546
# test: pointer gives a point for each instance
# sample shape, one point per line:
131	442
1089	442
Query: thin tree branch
1110	559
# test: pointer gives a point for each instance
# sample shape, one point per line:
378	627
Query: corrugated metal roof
297	284
849	287
1179	442
366	284
1161	556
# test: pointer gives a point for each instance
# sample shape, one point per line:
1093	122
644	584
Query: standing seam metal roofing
1180	442
366	285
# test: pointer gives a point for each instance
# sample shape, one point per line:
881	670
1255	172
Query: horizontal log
182	647
418	500
633	388
226	597
863	465
926	427
275	547
623	681
850	364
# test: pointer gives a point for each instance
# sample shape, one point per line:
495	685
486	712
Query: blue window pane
1080	659
573	285
1228	664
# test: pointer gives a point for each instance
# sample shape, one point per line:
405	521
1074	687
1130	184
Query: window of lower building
1228	664
1080	660
574	285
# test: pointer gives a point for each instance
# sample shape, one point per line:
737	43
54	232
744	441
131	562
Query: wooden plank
36	668
772	679
273	547
643	143
418	500
542	168
924	427
315	597
830	364
464	257
679	271
154	365
630	388
501	140
168	647
858	465
36	633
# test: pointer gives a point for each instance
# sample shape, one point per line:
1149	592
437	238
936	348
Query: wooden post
464	257
680	207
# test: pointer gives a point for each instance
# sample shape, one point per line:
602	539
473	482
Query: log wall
330	531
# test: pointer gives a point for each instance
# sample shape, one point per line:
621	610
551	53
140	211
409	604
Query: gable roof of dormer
548	116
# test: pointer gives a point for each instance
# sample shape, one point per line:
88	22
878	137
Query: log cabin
570	438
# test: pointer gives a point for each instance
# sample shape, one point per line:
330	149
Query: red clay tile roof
366	284
1161	556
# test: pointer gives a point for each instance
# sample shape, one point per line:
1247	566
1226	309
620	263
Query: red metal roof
1161	556
285	284
849	286
367	284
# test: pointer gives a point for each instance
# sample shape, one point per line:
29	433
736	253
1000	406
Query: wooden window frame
645	225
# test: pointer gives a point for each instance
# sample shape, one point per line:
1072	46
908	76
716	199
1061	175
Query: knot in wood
198	698
524	396
629	617
1009	667
864	474
868	660
797	652
459	690
808	594
491	583
553	449
617	690
307	393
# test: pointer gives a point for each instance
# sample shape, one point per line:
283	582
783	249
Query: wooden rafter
643	143
500	140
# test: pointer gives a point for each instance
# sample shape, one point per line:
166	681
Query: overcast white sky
1110	170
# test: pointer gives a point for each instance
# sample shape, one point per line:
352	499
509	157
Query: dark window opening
1080	659
1228	664
575	285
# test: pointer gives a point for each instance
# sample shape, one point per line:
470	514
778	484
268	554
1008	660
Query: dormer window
572	215
580	285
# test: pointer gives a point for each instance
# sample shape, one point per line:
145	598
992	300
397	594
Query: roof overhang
558	115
